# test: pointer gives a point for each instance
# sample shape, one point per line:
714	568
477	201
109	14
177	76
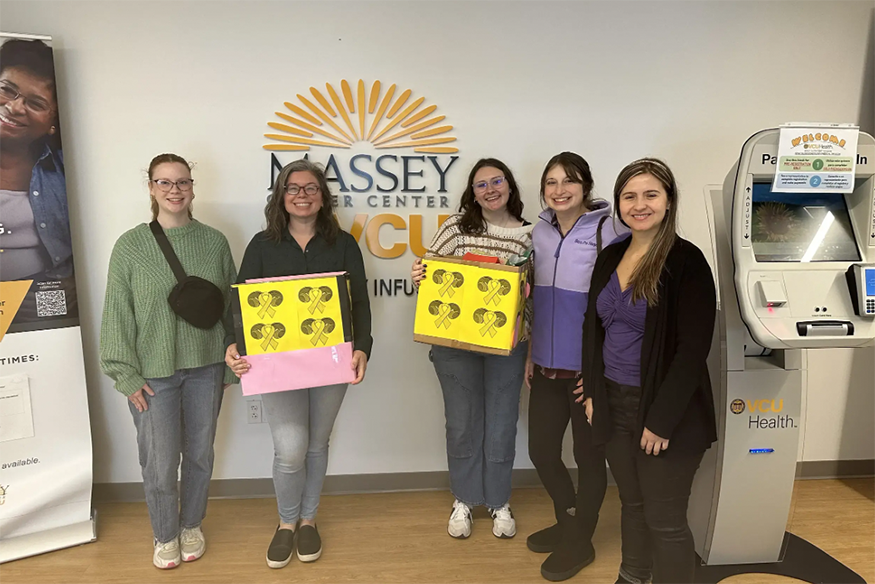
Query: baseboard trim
831	469
430	481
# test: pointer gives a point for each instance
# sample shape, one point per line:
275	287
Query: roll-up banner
45	436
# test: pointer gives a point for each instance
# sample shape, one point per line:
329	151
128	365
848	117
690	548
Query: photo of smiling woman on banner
35	240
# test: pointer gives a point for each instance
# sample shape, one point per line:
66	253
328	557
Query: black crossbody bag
195	300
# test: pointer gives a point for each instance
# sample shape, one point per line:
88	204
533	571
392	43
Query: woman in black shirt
303	237
647	334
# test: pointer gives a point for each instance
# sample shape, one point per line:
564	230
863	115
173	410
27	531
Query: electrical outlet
253	411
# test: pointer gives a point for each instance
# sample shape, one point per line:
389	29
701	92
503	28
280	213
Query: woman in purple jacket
567	240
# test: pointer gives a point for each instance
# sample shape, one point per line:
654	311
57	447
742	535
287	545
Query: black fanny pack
195	300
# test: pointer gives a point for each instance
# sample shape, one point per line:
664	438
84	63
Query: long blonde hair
645	277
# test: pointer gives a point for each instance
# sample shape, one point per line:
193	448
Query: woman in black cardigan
645	383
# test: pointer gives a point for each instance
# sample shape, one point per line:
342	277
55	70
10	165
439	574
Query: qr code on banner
51	303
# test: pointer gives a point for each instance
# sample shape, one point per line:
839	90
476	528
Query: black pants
654	492
551	405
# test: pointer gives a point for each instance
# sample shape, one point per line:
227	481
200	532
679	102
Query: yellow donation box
293	314
471	305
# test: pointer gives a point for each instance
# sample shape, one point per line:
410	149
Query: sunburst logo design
384	120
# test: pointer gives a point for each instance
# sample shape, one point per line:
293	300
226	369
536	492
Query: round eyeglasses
167	185
34	104
483	185
309	189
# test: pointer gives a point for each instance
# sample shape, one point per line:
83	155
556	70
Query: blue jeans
300	423
482	405
181	421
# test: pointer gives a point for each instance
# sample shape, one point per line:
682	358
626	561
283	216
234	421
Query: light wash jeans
181	421
482	406
300	423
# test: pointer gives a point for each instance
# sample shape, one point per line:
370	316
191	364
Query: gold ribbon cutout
447	286
268	331
488	325
319	335
265	304
444	319
494	288
316	301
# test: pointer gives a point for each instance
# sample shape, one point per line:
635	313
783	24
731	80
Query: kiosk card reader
861	280
795	271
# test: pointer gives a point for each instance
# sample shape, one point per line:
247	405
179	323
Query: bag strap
598	234
167	250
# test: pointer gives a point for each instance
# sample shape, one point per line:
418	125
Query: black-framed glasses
309	189
483	185
36	105
167	185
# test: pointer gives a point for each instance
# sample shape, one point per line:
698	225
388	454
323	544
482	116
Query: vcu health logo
737	406
384	120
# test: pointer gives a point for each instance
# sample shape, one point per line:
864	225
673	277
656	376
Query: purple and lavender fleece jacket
563	268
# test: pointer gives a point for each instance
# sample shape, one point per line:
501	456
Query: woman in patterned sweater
481	392
171	372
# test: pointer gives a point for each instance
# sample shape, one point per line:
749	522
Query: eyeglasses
310	189
167	185
483	185
35	105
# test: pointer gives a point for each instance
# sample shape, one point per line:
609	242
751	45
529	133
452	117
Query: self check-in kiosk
795	271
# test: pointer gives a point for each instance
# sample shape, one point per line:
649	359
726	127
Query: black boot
546	540
573	553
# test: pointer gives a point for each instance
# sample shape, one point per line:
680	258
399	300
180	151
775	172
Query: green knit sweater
141	337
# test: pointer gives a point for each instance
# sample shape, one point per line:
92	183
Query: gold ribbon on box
447	282
490	321
269	333
444	313
318	328
317	297
265	302
493	289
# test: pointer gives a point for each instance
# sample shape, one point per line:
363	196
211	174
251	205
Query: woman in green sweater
171	372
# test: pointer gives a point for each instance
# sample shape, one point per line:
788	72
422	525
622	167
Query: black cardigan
676	401
265	258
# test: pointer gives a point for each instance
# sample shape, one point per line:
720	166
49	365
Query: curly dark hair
35	56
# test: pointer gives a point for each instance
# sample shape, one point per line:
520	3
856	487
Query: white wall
688	82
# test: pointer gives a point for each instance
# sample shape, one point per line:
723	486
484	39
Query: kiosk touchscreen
795	271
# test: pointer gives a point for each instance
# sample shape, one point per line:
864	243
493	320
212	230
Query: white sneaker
460	521
166	555
503	523
192	543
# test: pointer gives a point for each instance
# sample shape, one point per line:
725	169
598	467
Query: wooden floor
401	537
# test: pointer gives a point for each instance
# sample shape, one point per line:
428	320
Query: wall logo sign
387	155
338	119
737	406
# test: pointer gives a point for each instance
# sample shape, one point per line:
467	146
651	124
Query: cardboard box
471	305
295	331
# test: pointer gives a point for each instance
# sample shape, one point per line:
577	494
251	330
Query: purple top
624	332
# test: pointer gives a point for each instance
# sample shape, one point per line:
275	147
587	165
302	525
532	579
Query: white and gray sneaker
192	542
503	523
460	521
166	555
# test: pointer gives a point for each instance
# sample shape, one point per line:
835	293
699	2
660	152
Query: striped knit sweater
500	242
141	337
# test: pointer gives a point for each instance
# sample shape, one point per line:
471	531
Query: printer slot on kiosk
795	271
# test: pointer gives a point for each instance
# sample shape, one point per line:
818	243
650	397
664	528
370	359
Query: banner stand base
42	542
